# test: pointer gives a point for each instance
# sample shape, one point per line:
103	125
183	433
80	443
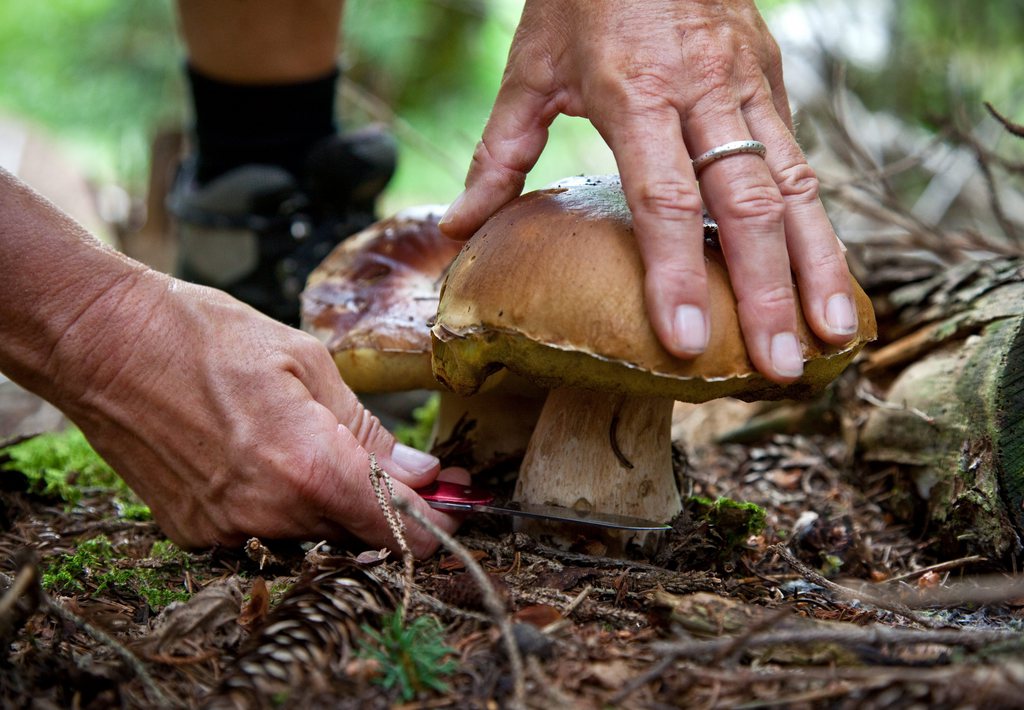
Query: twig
11	617
536	552
940	567
575	603
561	623
156	695
646	677
761	625
874	635
490	596
883	404
734	647
852	594
379	476
379	110
998	591
1014	128
384	575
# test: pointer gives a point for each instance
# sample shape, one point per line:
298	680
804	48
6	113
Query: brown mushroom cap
372	299
551	287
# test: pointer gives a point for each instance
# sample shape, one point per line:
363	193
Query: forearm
60	285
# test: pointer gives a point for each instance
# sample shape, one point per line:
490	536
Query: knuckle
683	272
674	200
502	174
826	261
635	88
365	427
756	203
772	56
777	298
799	182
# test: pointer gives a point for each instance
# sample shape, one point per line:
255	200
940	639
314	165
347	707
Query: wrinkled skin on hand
229	424
664	81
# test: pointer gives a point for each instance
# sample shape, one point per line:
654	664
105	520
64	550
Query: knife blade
445	495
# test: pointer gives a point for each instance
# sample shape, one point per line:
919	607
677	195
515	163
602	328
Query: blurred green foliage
105	75
947	57
99	73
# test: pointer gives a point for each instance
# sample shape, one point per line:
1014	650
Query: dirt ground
834	602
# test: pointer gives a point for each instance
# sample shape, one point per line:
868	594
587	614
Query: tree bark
953	425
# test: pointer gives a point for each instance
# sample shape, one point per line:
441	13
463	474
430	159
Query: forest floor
829	601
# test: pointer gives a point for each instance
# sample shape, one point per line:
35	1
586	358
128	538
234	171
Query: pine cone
302	651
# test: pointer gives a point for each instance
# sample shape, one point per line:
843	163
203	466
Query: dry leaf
373	557
255	611
539	615
208	618
611	674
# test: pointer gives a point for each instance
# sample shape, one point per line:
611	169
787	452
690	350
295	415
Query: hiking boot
257	231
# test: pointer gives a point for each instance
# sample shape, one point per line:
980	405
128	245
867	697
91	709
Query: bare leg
261	41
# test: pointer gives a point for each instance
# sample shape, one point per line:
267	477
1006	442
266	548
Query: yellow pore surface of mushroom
551	287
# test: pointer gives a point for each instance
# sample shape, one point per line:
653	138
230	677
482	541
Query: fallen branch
979	590
849	635
490	596
862	595
940	567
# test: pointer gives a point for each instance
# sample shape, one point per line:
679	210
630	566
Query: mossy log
954	418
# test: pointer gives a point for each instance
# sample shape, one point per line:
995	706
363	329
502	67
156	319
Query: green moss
734	521
93	566
61	465
130	510
64	465
167	551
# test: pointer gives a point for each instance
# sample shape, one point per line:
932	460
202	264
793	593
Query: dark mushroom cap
371	301
551	287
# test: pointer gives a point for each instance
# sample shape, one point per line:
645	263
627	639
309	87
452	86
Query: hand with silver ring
663	81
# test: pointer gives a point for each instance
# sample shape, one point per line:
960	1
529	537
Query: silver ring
727	149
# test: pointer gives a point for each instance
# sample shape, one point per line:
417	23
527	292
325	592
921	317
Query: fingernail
413	460
453	208
839	314
787	359
690	329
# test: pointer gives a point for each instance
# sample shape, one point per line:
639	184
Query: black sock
266	124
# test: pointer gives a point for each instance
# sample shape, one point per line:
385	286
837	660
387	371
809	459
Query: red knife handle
457	493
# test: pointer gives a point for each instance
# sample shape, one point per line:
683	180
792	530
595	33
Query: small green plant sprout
417	434
412	655
95	566
64	465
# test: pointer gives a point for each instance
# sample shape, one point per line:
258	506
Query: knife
445	495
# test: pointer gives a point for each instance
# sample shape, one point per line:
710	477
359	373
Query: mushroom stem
487	429
604	452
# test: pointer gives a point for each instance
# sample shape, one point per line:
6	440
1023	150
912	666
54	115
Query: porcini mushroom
551	288
371	302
